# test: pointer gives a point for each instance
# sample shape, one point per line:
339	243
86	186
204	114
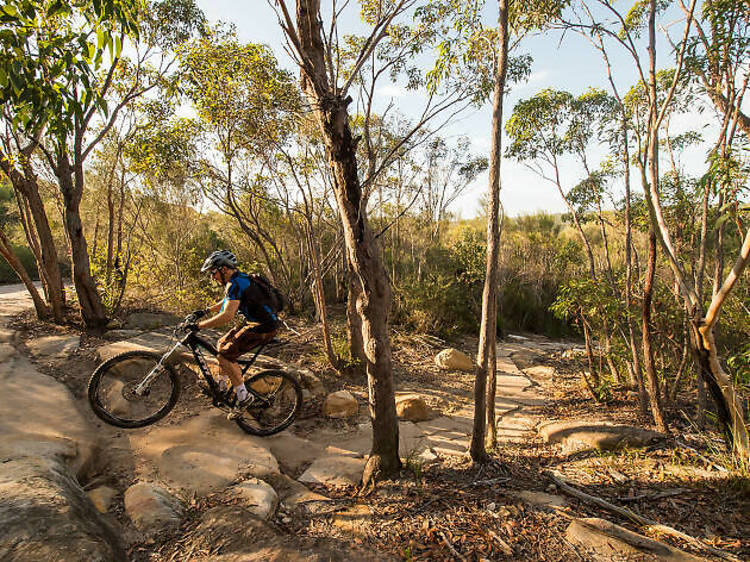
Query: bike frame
195	343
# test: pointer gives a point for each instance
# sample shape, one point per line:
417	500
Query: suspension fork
144	385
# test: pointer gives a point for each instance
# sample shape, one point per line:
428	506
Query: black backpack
276	298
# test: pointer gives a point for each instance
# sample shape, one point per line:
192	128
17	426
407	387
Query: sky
561	62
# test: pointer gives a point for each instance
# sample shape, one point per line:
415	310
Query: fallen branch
566	487
657	496
450	547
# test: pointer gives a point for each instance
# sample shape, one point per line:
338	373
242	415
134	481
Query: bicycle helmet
218	259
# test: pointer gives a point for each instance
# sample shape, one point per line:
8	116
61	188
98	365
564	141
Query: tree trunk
648	353
320	298
92	309
364	254
354	321
49	269
486	355
6	251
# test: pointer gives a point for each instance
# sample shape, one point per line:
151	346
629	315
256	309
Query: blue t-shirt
242	288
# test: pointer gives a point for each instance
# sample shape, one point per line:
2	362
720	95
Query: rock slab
594	435
205	454
605	541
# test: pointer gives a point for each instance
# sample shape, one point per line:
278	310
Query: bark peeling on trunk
364	256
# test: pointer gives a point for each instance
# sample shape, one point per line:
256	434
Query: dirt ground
454	510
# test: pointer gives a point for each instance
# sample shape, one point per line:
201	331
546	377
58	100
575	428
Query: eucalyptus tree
247	107
74	95
7	252
623	29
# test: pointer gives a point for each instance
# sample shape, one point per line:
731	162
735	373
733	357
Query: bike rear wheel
277	397
114	395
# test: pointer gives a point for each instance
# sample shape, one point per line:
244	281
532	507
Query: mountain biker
241	294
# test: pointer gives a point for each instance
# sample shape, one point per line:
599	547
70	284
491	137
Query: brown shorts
242	339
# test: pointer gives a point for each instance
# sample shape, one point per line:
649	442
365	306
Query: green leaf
12	11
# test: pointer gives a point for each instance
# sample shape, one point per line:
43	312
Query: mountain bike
137	388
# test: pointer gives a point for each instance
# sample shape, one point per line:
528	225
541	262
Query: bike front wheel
277	397
133	389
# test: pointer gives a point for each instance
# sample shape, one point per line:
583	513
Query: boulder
311	382
454	360
596	435
412	407
339	470
149	320
152	509
295	495
102	498
259	498
53	347
605	541
340	404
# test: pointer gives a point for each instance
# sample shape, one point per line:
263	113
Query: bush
7	275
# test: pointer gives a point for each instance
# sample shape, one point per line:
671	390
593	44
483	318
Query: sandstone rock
150	320
6	336
205	454
45	515
454	360
590	435
102	498
354	519
232	529
259	498
152	509
6	351
53	347
311	382
525	359
540	499
337	470
606	541
149	341
292	452
341	404
544	372
295	495
42	419
45	445
412	407
117	335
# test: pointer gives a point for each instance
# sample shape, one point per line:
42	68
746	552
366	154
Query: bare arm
215	308
226	314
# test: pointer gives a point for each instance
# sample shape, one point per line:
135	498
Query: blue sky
570	64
